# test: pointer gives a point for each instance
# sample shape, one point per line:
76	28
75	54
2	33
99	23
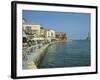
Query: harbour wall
34	58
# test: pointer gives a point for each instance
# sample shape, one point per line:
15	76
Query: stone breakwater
34	58
39	55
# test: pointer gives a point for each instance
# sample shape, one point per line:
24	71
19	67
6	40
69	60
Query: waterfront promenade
34	57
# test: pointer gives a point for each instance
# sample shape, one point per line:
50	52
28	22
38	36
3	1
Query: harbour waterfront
45	39
71	54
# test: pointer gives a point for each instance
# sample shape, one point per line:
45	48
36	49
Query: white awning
37	39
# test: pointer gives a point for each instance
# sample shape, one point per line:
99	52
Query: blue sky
76	25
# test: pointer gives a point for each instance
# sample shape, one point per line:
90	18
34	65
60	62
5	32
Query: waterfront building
61	36
36	30
42	32
32	30
50	34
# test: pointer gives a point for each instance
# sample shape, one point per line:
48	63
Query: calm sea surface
71	54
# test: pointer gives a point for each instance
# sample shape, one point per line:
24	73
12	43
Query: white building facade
50	35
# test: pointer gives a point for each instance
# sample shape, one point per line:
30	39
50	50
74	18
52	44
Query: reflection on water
71	54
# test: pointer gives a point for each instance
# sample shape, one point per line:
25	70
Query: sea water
67	54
